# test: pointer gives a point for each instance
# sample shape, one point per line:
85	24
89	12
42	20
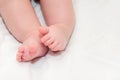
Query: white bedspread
92	54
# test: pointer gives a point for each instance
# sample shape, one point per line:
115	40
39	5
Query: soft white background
92	54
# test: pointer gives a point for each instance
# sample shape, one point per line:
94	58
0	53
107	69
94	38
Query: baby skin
31	48
55	37
26	28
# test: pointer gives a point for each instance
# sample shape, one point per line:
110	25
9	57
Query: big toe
43	30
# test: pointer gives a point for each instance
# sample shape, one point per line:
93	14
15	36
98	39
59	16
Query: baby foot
55	37
30	49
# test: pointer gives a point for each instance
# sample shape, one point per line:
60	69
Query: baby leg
21	21
59	16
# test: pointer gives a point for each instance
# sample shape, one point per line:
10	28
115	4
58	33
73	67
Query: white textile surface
92	54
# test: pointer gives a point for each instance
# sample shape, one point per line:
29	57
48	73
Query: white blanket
92	54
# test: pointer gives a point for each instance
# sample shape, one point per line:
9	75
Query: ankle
33	34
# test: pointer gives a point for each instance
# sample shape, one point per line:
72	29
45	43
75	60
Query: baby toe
59	48
25	55
43	30
45	38
18	57
53	46
48	42
20	53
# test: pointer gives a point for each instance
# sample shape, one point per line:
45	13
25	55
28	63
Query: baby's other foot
30	49
55	37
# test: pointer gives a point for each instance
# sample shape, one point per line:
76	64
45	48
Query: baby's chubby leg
59	16
21	21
